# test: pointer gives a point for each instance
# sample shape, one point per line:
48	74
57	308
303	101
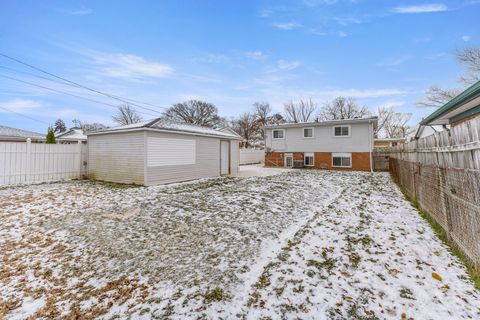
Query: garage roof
164	125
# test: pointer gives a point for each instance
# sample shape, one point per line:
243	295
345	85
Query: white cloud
265	13
277	73
422	8
256	55
81	12
346	21
394	62
122	65
318	32
466	38
436	56
286	25
213	58
314	3
284	65
76	12
22	105
342	34
359	93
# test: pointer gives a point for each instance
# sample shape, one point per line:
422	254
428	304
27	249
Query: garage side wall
117	157
160	167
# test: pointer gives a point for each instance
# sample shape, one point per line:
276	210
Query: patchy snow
258	170
286	244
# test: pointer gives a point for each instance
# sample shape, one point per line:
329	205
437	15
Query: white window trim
342	155
305	155
273	137
313	132
349	131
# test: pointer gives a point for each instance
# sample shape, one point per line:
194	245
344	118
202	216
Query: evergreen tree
51	136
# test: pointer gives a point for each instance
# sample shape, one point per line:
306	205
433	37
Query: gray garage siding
117	157
207	161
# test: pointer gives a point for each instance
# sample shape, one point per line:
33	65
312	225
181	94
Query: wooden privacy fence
442	173
381	157
26	162
250	156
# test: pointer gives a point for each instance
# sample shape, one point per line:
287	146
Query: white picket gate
26	162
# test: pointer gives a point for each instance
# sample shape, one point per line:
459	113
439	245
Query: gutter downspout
370	143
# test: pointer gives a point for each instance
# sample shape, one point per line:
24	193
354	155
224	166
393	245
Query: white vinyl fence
26	162
251	156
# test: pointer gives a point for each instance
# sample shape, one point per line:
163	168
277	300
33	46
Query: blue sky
230	53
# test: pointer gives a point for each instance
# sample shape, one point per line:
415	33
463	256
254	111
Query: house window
341	131
279	134
343	160
308	160
308	132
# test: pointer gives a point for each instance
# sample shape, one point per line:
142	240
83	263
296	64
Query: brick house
338	144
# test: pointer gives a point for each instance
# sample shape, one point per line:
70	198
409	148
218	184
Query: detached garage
158	152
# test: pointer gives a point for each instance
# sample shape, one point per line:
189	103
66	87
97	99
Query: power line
25	116
63	83
124	100
68	93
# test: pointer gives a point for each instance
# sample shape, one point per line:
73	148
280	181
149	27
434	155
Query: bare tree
126	115
87	127
393	124
247	127
303	111
262	112
194	112
470	58
437	97
342	108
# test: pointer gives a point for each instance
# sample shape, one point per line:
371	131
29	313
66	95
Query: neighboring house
463	107
388	142
337	144
158	152
9	134
73	135
425	131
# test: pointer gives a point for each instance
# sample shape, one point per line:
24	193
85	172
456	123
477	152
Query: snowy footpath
293	245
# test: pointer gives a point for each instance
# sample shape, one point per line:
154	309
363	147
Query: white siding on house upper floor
117	157
207	160
323	140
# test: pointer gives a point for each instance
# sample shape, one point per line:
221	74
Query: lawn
307	244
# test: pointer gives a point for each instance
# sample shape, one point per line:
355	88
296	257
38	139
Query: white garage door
224	157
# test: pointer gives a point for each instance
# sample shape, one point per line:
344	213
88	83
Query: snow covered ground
296	244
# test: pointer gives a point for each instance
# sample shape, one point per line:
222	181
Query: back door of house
224	157
289	160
